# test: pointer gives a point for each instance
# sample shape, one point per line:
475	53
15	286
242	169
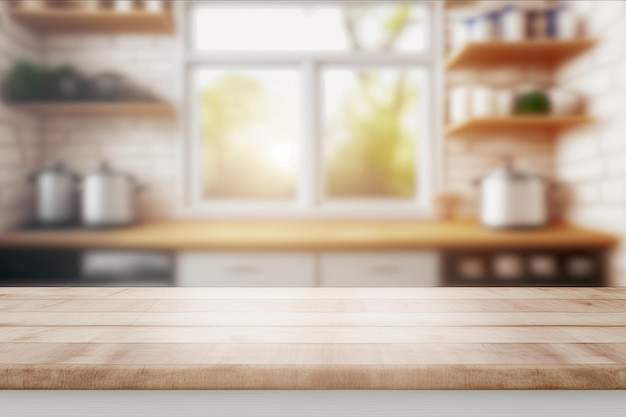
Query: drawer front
379	269
245	269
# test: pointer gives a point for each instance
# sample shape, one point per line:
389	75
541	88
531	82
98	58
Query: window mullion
309	148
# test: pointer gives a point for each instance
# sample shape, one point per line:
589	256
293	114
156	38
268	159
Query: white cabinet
379	269
246	269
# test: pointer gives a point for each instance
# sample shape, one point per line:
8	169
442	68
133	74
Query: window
310	108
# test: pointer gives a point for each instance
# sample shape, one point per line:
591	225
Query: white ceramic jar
123	6
566	23
504	102
90	5
460	34
482	102
512	24
483	29
32	4
153	6
459	104
510	198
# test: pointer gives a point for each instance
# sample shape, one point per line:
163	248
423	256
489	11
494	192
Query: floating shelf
517	123
97	109
449	4
61	20
540	52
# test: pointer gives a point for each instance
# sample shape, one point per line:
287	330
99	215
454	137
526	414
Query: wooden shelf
97	109
517	123
540	52
450	4
309	235
103	21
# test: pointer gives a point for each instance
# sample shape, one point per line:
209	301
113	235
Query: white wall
19	133
593	159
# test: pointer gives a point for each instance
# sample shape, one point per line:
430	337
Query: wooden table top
312	338
255	235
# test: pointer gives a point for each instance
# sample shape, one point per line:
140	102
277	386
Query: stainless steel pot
108	199
510	198
55	196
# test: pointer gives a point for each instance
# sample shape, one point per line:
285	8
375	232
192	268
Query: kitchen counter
312	338
248	235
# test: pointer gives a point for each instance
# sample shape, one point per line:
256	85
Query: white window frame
309	201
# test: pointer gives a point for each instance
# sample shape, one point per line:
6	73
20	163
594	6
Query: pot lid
56	168
508	172
105	170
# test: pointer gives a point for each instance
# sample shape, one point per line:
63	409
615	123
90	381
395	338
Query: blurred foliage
234	165
27	81
376	159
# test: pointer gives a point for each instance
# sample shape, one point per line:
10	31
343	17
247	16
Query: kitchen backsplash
20	139
593	159
470	156
145	147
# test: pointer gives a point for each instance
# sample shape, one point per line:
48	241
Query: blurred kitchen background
379	143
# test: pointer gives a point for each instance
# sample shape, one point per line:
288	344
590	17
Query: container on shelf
480	28
471	268
580	266
89	5
124	6
537	21
504	102
460	35
446	204
508	267
154	6
543	266
563	23
512	24
459	104
532	99
32	4
482	102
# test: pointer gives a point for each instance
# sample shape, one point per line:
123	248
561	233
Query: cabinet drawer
379	269
246	269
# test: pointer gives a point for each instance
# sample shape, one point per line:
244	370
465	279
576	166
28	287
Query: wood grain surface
312	338
68	20
253	235
489	53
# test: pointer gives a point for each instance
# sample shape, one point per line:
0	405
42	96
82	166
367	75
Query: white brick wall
593	159
470	156
19	133
145	147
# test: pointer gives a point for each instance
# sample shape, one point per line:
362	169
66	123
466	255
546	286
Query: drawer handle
243	269
385	269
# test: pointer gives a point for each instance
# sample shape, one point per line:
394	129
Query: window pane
371	124
250	123
332	27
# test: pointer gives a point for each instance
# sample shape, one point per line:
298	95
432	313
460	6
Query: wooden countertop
312	338
174	235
